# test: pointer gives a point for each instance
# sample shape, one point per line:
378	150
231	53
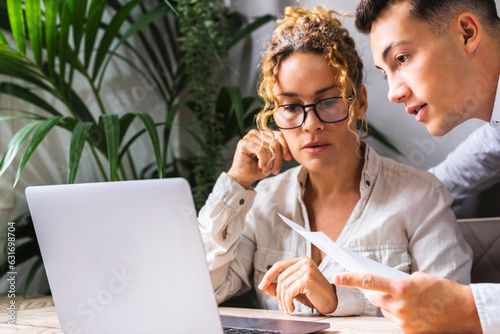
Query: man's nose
398	91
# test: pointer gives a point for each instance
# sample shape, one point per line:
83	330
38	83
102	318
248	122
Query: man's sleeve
488	306
473	166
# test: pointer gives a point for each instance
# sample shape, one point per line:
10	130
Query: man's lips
415	109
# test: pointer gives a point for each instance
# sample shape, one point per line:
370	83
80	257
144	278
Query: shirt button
367	182
242	201
301	185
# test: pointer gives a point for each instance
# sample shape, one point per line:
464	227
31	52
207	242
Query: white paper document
350	260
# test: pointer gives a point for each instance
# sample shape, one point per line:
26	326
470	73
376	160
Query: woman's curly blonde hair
315	31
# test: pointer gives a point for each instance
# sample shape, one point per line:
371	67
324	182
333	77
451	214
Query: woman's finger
287	155
285	279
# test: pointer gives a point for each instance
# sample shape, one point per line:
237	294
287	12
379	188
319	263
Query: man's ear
471	30
362	102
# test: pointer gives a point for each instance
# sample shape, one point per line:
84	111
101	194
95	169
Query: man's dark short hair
434	12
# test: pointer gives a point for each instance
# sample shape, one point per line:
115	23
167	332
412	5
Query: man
441	59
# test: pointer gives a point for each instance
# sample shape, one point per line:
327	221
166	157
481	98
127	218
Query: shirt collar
495	116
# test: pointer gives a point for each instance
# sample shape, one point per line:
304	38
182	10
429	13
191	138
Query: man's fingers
364	281
377	298
271	289
388	315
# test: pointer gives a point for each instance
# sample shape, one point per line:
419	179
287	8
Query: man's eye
401	59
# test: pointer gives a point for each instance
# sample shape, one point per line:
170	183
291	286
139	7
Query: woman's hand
299	279
257	156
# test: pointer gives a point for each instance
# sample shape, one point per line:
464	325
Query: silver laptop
127	257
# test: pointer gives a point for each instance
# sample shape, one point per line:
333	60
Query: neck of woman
343	178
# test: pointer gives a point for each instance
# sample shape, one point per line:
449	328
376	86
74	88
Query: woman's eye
290	108
330	103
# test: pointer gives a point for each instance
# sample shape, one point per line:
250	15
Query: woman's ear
470	30
362	102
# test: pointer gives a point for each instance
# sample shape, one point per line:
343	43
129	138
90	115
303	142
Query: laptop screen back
124	257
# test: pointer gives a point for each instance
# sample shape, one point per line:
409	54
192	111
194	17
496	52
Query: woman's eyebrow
287	94
318	92
326	89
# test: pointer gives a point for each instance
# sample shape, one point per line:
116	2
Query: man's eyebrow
389	47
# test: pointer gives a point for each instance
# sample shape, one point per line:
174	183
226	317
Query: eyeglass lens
293	115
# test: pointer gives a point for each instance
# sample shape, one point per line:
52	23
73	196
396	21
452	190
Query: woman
311	81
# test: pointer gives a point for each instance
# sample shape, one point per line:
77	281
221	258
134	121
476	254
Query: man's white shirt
471	168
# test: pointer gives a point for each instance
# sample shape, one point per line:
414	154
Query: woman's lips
315	147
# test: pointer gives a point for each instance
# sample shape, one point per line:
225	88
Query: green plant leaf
26	95
96	11
40	134
34	269
235	94
3	41
145	20
247	30
137	26
74	102
150	126
78	11
14	66
129	143
169	122
171	6
204	147
110	34
15	145
125	122
7	118
111	125
64	28
78	139
51	13
16	18
158	37
34	22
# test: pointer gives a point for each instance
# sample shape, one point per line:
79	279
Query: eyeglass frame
314	110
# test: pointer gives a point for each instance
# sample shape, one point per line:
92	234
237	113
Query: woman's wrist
245	184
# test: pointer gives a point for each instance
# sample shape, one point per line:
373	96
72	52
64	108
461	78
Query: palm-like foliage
64	46
53	44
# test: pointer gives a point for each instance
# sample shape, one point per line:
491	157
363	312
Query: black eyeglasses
331	110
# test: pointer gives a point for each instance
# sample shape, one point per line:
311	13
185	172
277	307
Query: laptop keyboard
237	330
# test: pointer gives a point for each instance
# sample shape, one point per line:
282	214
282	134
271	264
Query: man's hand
299	279
421	303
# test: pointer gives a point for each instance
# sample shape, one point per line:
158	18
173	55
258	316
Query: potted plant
75	39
